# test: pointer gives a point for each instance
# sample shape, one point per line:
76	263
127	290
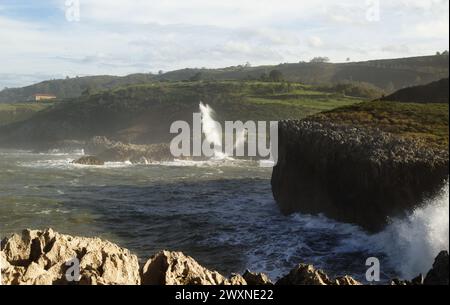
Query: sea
220	212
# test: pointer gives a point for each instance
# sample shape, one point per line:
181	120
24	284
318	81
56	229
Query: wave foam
413	243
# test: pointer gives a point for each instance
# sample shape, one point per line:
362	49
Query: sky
48	39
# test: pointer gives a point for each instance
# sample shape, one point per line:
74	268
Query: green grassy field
10	113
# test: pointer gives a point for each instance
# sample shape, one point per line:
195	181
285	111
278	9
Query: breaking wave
413	242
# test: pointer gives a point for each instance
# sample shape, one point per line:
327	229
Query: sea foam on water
412	243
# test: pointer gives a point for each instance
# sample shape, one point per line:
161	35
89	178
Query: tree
319	59
160	72
197	77
276	76
87	91
264	77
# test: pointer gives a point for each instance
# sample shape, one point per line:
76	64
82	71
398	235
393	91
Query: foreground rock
43	257
47	257
354	175
256	279
308	275
89	160
174	268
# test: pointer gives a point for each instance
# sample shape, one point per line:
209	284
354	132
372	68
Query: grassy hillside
428	122
385	75
144	113
435	92
71	87
10	113
389	75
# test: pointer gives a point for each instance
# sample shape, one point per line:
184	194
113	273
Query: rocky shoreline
48	258
354	174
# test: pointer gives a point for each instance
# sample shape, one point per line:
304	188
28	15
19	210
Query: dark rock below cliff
89	160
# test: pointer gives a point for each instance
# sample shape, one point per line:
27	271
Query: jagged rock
97	145
111	151
307	275
137	153
89	160
237	280
354	175
346	281
175	268
256	278
439	274
44	257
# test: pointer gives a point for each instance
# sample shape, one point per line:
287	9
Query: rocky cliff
355	172
47	257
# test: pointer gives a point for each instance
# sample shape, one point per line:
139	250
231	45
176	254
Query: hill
142	114
387	75
71	87
435	92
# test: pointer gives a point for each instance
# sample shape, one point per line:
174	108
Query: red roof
44	94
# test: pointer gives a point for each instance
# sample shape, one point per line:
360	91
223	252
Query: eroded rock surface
44	257
257	279
47	257
305	274
112	151
175	268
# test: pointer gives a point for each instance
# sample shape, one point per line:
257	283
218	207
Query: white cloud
436	28
315	42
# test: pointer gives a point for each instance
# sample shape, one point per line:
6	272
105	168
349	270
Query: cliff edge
362	164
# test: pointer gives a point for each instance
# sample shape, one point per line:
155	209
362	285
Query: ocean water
222	213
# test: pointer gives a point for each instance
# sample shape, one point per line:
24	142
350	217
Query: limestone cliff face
353	174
